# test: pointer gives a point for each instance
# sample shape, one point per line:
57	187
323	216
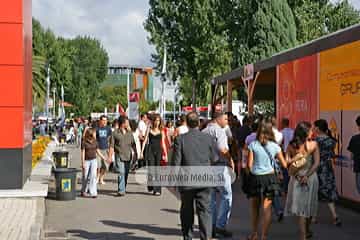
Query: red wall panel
297	90
11	44
12	130
10	11
11	82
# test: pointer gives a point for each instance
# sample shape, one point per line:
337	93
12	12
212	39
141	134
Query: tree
342	15
109	97
195	41
272	29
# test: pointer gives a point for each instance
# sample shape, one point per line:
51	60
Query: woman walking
303	159
327	184
89	149
156	141
263	183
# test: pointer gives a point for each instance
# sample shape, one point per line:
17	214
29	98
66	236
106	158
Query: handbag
298	164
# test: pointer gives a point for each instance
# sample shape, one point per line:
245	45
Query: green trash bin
65	183
61	159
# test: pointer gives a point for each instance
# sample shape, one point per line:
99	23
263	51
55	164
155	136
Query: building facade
141	79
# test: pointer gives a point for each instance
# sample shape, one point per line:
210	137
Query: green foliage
273	29
109	97
79	64
342	15
196	44
315	18
146	106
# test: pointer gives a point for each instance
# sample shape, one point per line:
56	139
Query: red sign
249	72
134	97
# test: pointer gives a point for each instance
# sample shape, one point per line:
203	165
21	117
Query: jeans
124	168
357	178
276	203
89	177
221	216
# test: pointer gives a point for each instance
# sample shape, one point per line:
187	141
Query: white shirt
288	135
142	128
183	129
228	131
278	136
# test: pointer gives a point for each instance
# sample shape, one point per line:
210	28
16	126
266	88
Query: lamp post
47	97
54	102
163	80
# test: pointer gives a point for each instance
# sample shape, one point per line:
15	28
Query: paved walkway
17	218
141	216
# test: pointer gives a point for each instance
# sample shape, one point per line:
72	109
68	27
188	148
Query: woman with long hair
155	138
327	184
303	156
263	183
89	149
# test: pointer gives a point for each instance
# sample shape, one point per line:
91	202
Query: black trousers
154	159
202	199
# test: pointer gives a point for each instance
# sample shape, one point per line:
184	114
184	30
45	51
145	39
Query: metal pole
47	97
162	97
54	102
128	91
174	107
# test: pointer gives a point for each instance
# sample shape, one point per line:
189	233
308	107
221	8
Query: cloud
118	24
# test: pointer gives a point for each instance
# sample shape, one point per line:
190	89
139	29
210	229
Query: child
89	149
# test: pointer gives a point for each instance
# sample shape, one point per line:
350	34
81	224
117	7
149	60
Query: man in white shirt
287	132
278	135
143	125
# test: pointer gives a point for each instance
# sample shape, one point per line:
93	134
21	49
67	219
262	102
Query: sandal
252	236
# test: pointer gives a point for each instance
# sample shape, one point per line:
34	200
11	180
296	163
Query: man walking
354	148
103	135
222	158
122	143
194	149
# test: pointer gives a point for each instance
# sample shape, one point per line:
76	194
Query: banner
297	90
340	105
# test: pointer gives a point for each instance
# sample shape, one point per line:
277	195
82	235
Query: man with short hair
194	148
122	143
354	148
103	135
287	132
223	157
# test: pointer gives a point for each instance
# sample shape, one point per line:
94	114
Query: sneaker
223	232
120	194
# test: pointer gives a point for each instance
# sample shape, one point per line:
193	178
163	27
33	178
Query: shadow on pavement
105	235
170	210
157	230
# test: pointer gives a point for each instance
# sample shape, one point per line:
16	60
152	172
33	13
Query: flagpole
128	91
163	79
47	97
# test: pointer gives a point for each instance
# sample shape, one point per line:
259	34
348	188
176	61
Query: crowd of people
288	170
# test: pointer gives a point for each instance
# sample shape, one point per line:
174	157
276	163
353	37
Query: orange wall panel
11	44
10	11
340	78
297	90
12	127
11	82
